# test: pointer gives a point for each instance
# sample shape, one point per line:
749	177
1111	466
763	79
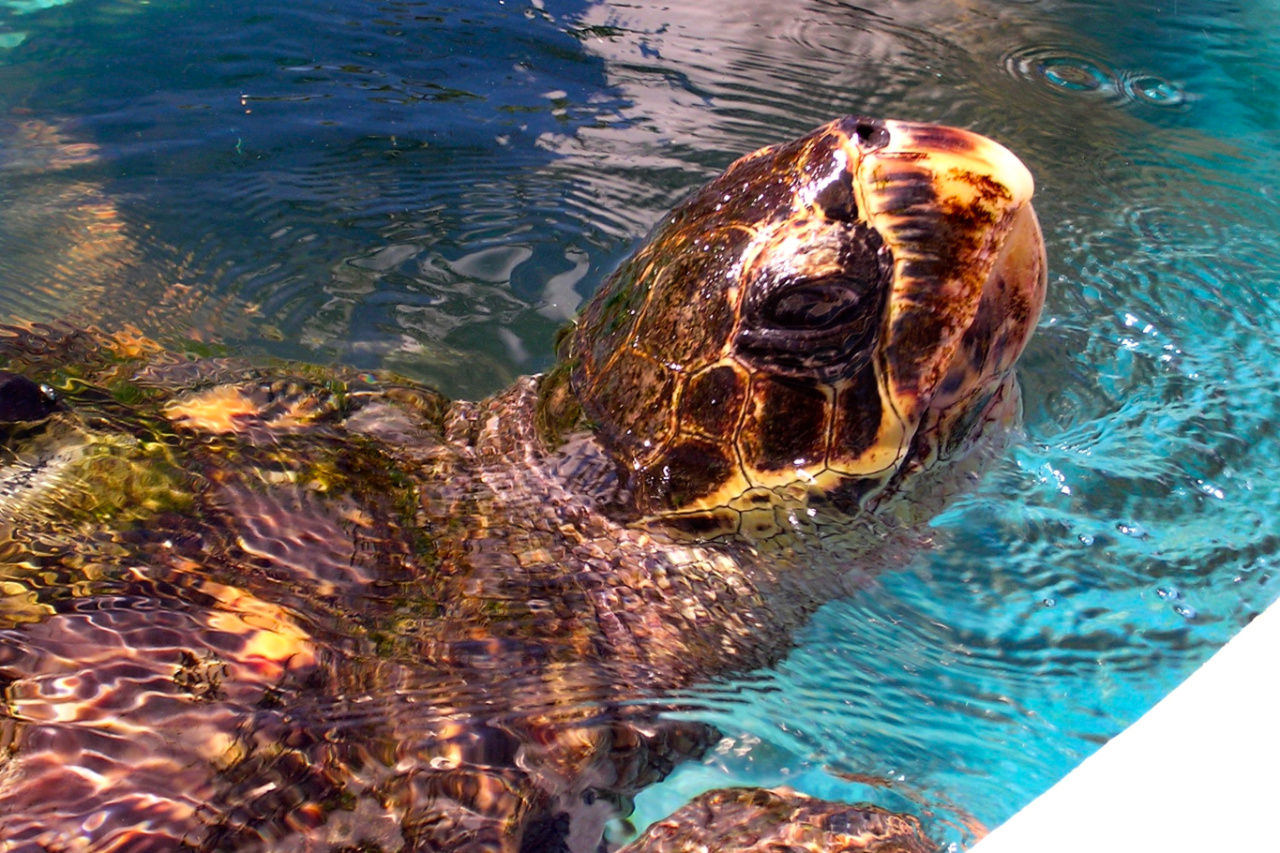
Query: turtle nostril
871	134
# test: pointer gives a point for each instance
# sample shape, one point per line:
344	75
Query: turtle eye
822	327
814	305
817	309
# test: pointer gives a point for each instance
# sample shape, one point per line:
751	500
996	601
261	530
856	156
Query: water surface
434	188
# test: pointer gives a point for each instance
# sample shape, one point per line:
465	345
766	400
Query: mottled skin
248	606
753	820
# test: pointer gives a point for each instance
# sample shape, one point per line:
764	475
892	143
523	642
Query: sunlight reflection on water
392	190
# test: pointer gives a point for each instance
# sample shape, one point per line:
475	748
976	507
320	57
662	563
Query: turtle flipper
757	820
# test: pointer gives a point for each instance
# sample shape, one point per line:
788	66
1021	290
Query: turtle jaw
954	208
953	211
1006	314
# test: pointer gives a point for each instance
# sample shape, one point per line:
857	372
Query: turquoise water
434	188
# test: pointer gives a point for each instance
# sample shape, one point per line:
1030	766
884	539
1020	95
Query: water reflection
283	176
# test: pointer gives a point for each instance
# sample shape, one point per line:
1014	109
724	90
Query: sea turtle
279	607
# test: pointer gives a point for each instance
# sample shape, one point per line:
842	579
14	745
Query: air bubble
1063	71
1132	529
1074	74
1150	89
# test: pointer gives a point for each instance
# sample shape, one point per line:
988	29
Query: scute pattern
688	469
858	420
711	403
689	319
785	427
645	386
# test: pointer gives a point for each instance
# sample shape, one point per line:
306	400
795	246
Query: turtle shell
805	322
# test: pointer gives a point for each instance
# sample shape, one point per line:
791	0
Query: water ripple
435	192
1063	71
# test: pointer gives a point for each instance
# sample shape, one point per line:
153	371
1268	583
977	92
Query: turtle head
825	320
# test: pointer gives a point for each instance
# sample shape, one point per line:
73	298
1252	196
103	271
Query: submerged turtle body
278	607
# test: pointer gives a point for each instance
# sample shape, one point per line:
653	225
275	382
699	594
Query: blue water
435	188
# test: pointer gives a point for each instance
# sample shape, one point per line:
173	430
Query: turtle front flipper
756	820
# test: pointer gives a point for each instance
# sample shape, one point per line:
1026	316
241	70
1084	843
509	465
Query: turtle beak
954	208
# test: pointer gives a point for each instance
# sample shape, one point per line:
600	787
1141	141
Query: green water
435	187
